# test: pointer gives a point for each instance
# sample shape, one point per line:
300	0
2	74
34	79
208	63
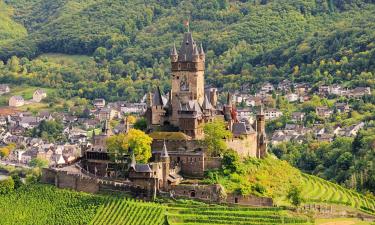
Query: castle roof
158	99
164	152
206	104
188	46
240	129
142	168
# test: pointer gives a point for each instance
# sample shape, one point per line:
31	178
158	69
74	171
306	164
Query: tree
231	160
135	140
49	130
17	181
6	185
215	135
38	162
140	124
294	195
5	151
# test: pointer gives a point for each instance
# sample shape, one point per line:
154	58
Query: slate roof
206	103
143	168
240	129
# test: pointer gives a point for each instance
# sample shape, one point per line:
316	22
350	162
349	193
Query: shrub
6	186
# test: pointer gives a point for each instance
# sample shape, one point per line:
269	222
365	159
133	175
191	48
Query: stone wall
208	193
212	163
48	176
213	193
249	200
245	146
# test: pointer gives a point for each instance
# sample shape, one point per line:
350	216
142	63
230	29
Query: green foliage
215	135
6	186
315	189
17	181
247	42
231	160
49	130
346	161
268	177
38	162
140	124
135	141
294	195
211	214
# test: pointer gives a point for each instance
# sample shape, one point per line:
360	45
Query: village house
133	108
298	116
292	97
16	101
351	131
106	114
302	88
324	90
29	122
359	92
99	103
284	85
272	113
323	111
267	87
342	107
4	88
39	95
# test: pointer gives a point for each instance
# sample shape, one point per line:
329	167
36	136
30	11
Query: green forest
124	45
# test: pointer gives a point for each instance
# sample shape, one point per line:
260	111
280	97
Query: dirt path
343	222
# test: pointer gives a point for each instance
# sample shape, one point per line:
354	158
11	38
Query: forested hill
246	42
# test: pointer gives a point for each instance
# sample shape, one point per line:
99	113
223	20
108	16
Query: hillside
247	42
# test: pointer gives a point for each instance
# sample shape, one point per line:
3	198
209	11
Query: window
236	200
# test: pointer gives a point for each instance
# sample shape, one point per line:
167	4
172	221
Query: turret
202	55
195	56
164	158
261	134
174	55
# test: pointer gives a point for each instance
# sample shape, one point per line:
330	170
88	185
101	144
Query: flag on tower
186	24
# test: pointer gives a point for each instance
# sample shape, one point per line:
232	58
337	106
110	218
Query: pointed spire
157	99
206	103
229	99
174	50
133	162
195	51
201	50
164	152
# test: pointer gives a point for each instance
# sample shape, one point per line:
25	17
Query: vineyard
199	215
129	212
42	204
319	190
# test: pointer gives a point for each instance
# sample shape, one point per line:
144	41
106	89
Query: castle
176	125
189	106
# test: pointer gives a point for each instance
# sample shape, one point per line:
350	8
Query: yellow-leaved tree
134	141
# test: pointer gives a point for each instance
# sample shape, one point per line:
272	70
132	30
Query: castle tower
261	134
157	111
165	159
187	75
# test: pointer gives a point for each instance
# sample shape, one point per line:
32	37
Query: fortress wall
48	176
212	163
87	185
245	146
206	193
249	200
65	180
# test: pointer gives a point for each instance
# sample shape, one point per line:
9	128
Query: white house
272	113
267	87
39	95
16	101
4	88
292	97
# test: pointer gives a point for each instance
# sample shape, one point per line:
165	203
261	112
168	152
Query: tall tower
187	74
164	158
261	134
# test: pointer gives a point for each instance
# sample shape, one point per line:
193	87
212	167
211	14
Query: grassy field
27	93
316	189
